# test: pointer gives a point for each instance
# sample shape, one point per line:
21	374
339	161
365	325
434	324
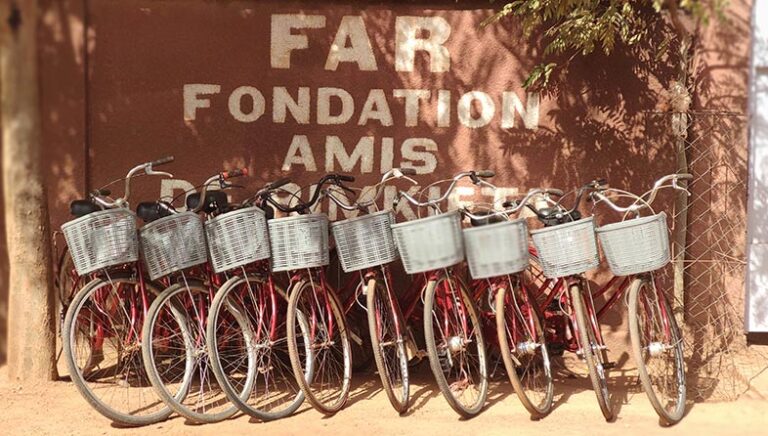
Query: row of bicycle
226	307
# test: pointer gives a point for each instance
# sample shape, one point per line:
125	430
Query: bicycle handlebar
101	196
513	206
473	175
640	201
333	178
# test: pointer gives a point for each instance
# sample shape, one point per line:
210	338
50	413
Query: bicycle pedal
609	365
355	338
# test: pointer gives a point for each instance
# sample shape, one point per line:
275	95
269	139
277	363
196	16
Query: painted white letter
324	106
299	153
408	41
510	103
376	108
191	101
282	100
359	51
408	150
363	152
283	41
487	109
235	104
412	97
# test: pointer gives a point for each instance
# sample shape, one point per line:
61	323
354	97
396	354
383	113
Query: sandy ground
57	408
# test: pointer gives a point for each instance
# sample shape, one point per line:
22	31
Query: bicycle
565	249
634	248
497	254
365	245
101	334
431	247
174	333
315	320
238	244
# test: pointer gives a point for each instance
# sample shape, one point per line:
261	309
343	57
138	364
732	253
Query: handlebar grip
408	171
509	203
278	183
103	192
685	176
234	173
485	174
557	192
345	178
162	161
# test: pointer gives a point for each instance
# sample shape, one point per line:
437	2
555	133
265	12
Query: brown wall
113	96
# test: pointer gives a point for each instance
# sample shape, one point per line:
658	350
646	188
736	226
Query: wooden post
31	332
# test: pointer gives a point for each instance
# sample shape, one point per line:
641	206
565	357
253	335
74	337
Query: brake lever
396	173
150	172
680	188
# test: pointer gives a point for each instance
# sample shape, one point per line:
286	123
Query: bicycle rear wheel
386	325
263	355
176	354
102	347
592	352
657	346
326	384
524	348
455	344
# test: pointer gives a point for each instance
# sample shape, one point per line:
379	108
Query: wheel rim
459	343
328	380
526	345
273	388
391	347
661	349
105	347
181	366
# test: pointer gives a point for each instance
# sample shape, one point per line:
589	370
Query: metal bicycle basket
567	249
237	238
365	241
636	245
299	242
497	249
173	243
430	243
102	239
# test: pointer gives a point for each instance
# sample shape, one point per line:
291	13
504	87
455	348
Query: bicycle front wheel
326	381
176	353
263	356
657	346
102	347
455	344
386	325
524	348
591	351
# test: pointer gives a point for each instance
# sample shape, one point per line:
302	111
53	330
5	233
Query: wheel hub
455	344
528	347
656	349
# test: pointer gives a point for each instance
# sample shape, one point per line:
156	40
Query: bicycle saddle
484	221
80	208
150	211
215	201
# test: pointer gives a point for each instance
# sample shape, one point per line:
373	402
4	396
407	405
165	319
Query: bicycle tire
306	377
677	411
537	409
383	340
590	351
194	357
223	302
121	417
435	361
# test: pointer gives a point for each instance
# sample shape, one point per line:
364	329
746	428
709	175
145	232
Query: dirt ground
57	408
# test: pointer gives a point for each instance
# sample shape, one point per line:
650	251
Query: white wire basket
365	241
237	238
497	249
299	242
430	243
567	249
102	239
173	243
637	245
